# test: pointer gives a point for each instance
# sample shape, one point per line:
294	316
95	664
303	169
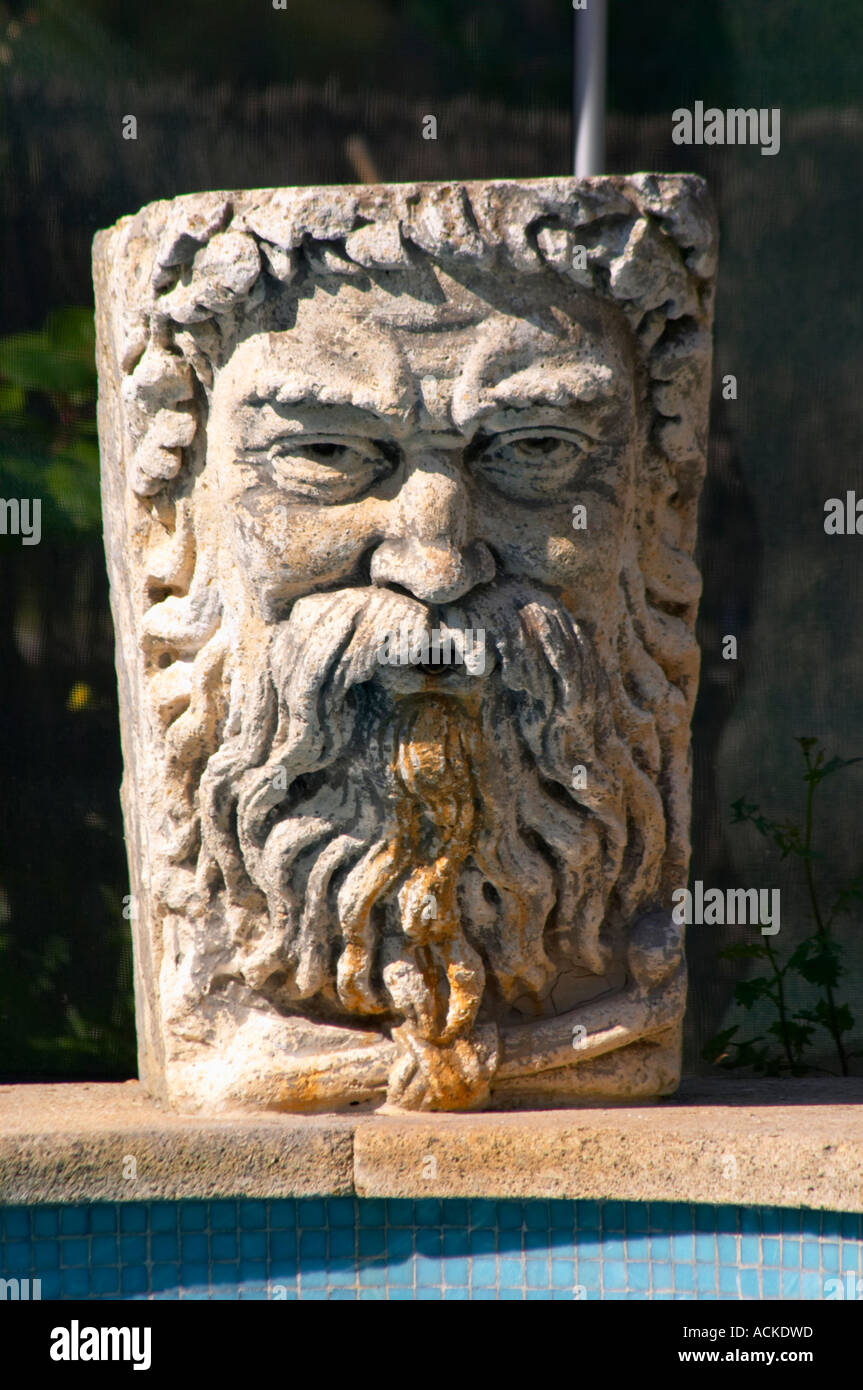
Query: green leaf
717	1045
748	992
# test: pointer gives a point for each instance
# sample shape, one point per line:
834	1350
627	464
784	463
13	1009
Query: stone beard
374	875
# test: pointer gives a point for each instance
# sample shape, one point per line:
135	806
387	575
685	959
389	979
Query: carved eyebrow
593	391
297	389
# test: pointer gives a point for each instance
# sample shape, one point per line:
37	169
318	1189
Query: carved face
412	477
390	458
429	444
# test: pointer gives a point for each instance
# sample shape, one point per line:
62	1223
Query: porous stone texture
773	1143
400	489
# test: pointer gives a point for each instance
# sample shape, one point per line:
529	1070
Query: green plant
816	960
48	446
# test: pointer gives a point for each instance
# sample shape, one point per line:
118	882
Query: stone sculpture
400	489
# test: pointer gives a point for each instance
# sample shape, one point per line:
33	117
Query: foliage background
230	93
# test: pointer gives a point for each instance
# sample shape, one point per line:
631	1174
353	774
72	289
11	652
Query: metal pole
588	88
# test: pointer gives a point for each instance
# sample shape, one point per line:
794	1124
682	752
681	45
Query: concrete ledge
793	1144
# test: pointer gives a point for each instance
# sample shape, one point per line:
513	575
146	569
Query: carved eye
532	466
328	471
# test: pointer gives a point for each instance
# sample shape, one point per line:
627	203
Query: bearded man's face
390	468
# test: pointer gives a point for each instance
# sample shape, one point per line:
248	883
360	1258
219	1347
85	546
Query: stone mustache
342	423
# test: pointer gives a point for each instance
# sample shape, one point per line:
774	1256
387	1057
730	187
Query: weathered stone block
400	489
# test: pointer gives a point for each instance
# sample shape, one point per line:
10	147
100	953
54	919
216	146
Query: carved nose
434	573
430	551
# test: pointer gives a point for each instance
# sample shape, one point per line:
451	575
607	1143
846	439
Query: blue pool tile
728	1280
770	1285
790	1253
372	1212
46	1221
313	1245
614	1276
638	1274
662	1276
770	1251
562	1273
705	1248
587	1216
223	1245
456	1272
341	1211
811	1285
483	1272
537	1274
749	1285
750	1250
105	1280
509	1216
400	1212
400	1244
483	1213
252	1215
194	1248
790	1283
134	1279
830	1258
76	1252
312	1214
561	1216
373	1275
660	1247
283	1214
370	1243
705	1279
831	1224
726	1247
455	1212
341	1276
163	1217
193	1216
342	1243
536	1217
682	1248
133	1249
103	1219
428	1272
283	1244
402	1274
164	1247
46	1254
684	1277
73	1221
75	1283
253	1245
16	1257
164	1276
455	1243
612	1216
482	1242
133	1217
